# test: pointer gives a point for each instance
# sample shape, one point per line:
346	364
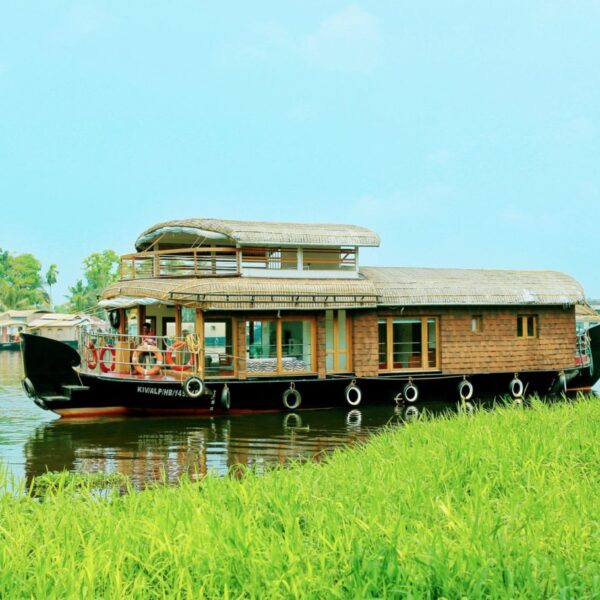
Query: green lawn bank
501	504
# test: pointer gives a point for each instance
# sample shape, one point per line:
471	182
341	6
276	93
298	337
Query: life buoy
411	392
292	404
353	394
113	354
90	355
225	398
516	388
155	368
171	361
465	389
114	318
193	387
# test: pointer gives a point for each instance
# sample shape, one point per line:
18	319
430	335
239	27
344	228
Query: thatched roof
434	287
249	233
250	293
586	314
378	286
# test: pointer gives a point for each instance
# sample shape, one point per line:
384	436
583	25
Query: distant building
65	327
13	321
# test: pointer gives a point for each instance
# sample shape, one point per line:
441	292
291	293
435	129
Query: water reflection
152	449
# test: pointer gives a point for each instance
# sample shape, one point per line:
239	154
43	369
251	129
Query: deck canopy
245	294
196	232
376	286
434	287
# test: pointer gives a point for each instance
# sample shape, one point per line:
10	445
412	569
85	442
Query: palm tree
80	297
51	278
12	297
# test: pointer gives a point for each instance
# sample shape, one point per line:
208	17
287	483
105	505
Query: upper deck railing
228	261
182	262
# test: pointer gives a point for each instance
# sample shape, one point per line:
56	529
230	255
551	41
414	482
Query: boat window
297	345
329	259
270	258
279	346
261	339
408	343
218	347
527	326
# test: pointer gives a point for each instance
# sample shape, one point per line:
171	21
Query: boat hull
54	383
433	387
110	395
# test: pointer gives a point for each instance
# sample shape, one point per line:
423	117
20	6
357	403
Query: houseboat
217	315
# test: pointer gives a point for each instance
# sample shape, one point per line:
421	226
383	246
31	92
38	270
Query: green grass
502	504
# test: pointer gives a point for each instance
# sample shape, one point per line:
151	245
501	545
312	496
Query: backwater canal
33	441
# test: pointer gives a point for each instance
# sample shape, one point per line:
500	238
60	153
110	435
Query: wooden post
178	321
141	317
200	338
122	353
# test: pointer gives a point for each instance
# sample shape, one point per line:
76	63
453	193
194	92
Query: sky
466	133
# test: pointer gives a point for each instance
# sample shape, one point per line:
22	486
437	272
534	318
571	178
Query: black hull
489	385
147	397
589	376
55	385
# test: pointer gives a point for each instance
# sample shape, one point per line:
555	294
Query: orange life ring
90	355
154	369
111	366
171	362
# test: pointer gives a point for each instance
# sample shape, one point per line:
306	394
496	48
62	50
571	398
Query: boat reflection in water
150	450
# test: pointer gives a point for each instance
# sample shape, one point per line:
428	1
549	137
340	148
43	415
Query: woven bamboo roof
431	287
586	314
240	293
245	233
378	286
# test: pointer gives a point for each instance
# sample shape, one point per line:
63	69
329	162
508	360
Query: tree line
23	285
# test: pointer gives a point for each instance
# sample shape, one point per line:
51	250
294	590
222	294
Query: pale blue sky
465	133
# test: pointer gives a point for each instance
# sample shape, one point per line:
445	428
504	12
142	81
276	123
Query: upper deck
219	248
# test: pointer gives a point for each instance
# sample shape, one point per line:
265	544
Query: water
33	441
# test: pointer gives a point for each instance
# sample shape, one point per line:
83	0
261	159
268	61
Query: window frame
389	320
523	321
279	345
478	320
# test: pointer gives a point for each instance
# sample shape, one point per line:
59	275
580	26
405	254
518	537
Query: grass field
501	504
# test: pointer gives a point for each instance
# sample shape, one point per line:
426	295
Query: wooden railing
227	261
182	262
